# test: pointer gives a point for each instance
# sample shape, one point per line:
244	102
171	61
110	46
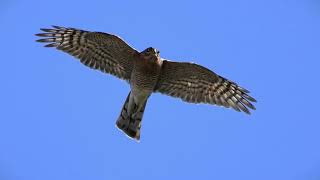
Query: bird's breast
145	75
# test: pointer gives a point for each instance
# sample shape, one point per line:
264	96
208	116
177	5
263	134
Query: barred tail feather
130	124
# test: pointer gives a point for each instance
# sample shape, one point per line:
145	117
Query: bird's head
151	53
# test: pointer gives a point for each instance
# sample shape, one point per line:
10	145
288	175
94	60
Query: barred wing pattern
196	84
105	52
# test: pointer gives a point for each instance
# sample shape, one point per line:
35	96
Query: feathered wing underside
105	52
196	84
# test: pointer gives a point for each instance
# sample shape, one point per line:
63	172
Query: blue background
57	119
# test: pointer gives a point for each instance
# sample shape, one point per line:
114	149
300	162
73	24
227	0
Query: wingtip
40	34
253	108
253	100
52	45
43	40
57	27
40	40
244	89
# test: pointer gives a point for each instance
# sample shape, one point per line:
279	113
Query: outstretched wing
196	84
97	50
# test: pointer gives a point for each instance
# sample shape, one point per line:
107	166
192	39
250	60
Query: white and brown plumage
146	73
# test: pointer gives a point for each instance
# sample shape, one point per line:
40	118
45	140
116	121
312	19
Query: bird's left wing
105	52
197	84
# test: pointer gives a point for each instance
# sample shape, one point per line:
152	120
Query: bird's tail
130	124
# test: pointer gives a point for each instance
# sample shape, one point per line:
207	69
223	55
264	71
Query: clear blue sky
57	119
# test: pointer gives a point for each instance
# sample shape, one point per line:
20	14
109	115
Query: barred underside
101	51
196	84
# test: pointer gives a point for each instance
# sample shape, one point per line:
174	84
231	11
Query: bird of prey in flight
146	72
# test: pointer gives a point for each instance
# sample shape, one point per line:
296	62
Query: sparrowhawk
146	72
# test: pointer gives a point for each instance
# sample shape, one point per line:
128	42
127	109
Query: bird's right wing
197	84
102	51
